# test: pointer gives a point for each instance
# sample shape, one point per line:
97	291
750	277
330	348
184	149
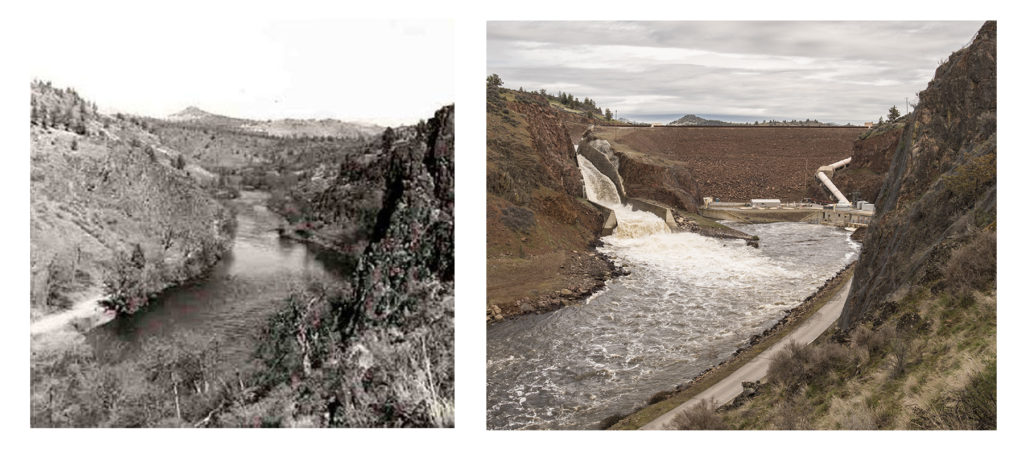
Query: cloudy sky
741	71
156	63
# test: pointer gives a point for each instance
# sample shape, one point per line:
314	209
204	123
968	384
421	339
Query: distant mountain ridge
694	120
282	127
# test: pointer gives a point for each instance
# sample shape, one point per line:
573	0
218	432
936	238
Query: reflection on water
233	302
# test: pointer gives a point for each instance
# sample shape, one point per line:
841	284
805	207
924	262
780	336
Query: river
234	301
689	303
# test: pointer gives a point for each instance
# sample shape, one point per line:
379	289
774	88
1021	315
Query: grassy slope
940	355
917	348
94	196
525	263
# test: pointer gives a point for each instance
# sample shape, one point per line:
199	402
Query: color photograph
741	225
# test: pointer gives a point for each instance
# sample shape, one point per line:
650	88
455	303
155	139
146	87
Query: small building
837	216
869	124
864	205
765	203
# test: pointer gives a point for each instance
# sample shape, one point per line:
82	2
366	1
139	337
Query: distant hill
315	128
694	120
282	127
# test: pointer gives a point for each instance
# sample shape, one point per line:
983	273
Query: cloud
831	71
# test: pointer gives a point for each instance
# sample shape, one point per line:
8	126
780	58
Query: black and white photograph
243	224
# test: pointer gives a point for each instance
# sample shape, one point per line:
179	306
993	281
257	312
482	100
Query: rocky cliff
640	175
380	351
863	177
940	189
540	228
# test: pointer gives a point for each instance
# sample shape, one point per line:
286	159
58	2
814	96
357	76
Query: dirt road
731	386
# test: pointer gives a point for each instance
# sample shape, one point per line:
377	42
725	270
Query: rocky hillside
111	213
915	347
941	187
645	176
540	228
381	352
863	177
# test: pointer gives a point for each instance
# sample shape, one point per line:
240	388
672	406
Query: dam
687	303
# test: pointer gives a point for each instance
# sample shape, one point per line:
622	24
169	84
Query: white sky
740	71
387	72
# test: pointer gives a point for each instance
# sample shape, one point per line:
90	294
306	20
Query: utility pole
907	100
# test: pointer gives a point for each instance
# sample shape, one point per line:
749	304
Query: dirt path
731	386
61	328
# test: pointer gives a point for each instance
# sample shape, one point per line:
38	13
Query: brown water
234	301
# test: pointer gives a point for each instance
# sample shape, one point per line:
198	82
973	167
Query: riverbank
548	282
665	401
56	329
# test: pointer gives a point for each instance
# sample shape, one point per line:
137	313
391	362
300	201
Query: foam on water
688	303
631	223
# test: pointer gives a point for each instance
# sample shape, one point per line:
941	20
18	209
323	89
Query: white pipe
828	182
841	163
832	188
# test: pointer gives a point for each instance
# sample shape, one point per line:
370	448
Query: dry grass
972	265
700	417
797	365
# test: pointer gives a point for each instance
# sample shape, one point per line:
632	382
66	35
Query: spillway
631	223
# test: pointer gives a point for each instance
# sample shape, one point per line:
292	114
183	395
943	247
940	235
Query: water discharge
688	303
631	223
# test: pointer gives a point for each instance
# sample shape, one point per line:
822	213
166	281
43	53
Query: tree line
587	105
55	107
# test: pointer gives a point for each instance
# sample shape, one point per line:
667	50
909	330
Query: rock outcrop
863	177
540	227
941	184
637	175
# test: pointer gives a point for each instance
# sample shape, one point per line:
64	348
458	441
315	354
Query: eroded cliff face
669	184
643	176
866	172
940	190
540	228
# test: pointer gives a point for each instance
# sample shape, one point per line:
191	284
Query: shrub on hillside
171	383
973	407
700	417
972	265
797	365
966	182
872	341
129	281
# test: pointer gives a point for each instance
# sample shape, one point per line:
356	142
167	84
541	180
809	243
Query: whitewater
687	304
